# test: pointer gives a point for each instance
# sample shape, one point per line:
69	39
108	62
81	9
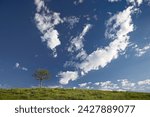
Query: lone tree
41	74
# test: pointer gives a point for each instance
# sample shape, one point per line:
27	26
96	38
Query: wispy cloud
148	2
114	0
72	20
46	21
55	86
77	43
76	2
85	84
140	51
18	66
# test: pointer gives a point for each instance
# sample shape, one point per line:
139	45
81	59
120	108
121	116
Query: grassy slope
69	94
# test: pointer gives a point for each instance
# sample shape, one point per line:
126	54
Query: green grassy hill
69	94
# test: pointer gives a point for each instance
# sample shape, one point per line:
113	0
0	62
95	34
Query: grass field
69	94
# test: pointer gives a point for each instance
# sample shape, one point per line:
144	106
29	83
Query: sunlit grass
69	94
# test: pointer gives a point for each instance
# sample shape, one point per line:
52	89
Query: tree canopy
41	74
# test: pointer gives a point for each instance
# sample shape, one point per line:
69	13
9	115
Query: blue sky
92	44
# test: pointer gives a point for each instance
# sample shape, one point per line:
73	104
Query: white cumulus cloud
126	84
119	85
46	21
121	28
144	82
108	85
134	2
65	77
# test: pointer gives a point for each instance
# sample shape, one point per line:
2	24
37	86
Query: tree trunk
40	83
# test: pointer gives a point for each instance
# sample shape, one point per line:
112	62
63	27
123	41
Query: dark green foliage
69	94
41	74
